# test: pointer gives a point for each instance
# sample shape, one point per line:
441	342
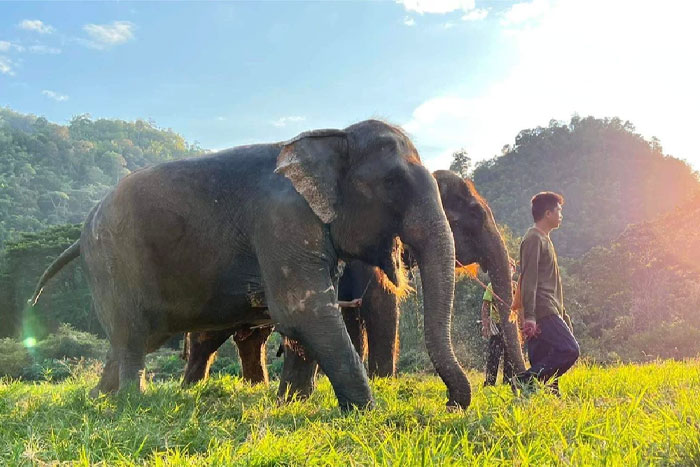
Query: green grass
626	415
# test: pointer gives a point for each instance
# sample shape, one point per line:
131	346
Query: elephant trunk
499	273
433	245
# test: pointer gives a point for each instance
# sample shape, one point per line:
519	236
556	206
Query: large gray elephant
373	328
178	246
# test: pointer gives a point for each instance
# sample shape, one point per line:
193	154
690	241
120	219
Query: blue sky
454	73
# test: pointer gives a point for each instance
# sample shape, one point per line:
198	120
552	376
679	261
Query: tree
461	163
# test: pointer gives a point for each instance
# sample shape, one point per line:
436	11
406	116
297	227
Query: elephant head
368	185
478	240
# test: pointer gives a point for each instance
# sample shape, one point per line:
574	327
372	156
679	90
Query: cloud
43	49
36	26
6	46
408	21
437	6
103	36
6	66
54	95
476	15
561	68
526	11
284	121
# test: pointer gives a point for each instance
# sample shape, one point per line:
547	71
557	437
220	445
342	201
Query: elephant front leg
251	350
326	341
202	347
303	303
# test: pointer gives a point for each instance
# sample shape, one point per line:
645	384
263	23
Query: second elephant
373	328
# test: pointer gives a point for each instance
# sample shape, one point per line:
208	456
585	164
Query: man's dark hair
543	202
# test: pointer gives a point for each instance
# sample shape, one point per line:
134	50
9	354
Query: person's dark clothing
496	351
554	350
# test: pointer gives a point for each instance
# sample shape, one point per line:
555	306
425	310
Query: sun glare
29	342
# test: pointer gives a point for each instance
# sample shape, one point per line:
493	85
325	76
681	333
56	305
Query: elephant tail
66	257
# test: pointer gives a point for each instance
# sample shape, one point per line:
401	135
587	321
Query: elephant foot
109	381
347	405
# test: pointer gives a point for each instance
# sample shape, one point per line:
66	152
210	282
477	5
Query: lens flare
29	342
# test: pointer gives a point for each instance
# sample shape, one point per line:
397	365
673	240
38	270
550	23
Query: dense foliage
637	297
54	174
66	298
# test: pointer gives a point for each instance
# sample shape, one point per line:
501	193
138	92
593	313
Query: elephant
373	328
191	245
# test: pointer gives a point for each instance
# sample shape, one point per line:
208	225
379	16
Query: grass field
626	415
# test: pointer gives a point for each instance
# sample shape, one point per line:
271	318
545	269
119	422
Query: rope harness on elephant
366	287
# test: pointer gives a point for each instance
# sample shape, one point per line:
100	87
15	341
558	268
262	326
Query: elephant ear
312	162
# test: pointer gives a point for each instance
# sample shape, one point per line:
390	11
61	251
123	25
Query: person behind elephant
492	330
547	328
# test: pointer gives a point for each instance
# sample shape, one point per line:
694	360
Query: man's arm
529	260
355	303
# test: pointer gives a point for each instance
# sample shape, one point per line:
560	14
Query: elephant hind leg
381	315
132	365
356	330
251	350
109	381
202	347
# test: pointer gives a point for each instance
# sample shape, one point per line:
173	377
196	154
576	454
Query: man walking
551	345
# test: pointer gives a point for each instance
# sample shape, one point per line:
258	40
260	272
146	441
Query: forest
628	245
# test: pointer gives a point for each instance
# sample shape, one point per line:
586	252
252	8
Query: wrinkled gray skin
178	246
373	328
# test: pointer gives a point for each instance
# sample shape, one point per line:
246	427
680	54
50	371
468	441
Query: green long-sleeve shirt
541	289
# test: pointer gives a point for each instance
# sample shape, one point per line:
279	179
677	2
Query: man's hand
356	303
530	329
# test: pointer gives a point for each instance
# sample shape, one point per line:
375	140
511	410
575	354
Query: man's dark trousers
554	350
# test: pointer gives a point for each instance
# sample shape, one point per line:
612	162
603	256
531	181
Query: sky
454	73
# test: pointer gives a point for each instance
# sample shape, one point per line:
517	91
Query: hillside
638	296
610	177
54	174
